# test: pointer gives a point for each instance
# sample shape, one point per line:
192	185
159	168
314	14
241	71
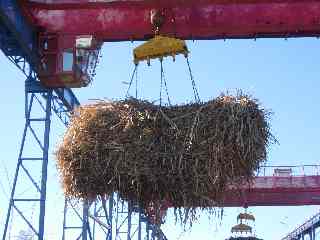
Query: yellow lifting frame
160	47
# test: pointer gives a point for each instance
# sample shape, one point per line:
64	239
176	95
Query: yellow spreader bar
160	47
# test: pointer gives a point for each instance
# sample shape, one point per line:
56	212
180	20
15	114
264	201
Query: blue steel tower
18	43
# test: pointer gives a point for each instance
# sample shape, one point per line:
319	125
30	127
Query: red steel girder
122	20
271	191
267	191
276	191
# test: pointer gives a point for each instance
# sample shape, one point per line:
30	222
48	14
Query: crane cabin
67	61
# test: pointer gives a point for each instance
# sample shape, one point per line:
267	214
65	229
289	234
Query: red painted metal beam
266	191
121	20
276	191
272	191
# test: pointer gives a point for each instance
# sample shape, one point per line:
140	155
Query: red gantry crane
61	22
60	40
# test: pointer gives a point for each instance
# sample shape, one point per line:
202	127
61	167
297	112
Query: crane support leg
124	220
24	202
110	219
75	222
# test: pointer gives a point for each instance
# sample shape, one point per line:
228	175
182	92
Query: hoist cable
161	80
137	83
165	82
195	91
131	80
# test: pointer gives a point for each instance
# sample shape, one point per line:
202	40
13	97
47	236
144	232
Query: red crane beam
122	20
276	191
273	191
267	191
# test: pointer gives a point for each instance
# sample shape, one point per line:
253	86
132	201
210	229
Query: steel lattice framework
33	93
309	228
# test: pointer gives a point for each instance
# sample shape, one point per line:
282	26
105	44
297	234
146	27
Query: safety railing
289	170
302	228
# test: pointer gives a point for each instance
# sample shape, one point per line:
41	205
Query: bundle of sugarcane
184	154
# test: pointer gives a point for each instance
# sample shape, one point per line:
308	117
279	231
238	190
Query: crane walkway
278	186
307	228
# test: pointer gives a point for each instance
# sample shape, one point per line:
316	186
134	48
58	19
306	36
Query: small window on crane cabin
87	51
82	58
67	60
83	47
45	45
84	42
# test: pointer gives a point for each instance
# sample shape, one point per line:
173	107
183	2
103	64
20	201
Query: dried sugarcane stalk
185	154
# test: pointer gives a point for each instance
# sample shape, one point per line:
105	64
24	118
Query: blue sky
283	75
